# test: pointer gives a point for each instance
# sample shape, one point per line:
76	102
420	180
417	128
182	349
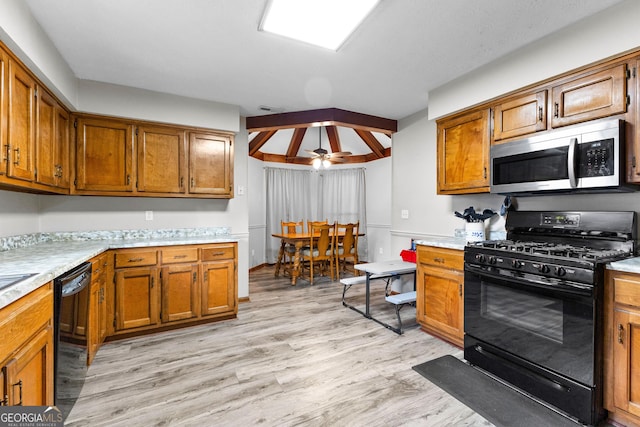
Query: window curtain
294	195
288	198
344	200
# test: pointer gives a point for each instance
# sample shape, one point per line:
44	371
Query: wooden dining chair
289	250
347	248
311	223
321	249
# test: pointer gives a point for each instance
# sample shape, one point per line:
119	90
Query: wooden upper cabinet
523	115
52	142
210	164
21	123
4	96
599	94
463	153
104	153
161	159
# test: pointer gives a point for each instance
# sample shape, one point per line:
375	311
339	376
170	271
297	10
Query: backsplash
25	240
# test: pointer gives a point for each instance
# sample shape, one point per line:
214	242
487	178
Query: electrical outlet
240	190
381	251
148	215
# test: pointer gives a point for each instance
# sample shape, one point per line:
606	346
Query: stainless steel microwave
583	158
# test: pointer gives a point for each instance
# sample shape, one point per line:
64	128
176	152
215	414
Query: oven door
547	323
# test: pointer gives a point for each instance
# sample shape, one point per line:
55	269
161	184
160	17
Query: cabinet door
61	164
46	140
439	299
30	373
161	159
136	298
104	150
179	292
526	114
81	312
218	288
596	95
626	361
21	123
210	164
463	154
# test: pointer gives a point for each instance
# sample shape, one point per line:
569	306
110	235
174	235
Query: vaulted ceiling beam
296	142
334	139
322	117
372	142
259	140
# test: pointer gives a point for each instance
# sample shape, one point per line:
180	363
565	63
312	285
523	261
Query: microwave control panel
596	158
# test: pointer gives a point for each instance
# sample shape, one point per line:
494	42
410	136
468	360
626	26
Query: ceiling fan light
316	163
326	163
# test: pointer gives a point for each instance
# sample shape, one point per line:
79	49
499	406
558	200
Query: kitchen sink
11	279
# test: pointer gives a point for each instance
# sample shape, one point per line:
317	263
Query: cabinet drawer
178	254
218	252
136	258
441	257
627	291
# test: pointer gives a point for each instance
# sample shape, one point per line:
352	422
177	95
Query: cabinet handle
485	172
193	182
152	280
19	384
135	259
556	112
195	277
179	256
460	288
439	260
17	160
540	113
5	400
182	182
620	332
6	154
128	179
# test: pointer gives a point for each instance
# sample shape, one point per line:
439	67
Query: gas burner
551	250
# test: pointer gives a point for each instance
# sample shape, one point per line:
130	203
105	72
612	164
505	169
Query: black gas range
533	304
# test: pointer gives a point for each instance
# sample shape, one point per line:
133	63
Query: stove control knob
493	260
543	268
560	271
516	263
480	258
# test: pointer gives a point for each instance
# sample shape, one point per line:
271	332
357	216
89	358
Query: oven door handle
571	163
568	288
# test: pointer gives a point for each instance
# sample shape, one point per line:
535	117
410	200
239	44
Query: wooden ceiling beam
259	140
334	139
372	142
296	142
322	117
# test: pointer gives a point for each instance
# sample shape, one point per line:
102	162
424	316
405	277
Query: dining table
298	241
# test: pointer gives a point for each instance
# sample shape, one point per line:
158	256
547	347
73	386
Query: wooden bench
400	300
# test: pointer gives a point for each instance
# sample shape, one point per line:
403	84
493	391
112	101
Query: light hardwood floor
293	357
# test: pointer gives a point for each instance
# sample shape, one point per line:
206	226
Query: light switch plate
404	214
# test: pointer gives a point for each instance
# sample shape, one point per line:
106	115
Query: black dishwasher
70	360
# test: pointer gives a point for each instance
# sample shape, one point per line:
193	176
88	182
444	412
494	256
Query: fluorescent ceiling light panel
325	23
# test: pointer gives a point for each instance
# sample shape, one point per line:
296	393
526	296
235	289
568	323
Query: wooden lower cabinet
440	293
218	291
137	298
26	350
180	285
179	292
622	348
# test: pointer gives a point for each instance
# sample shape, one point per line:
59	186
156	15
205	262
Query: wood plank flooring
293	357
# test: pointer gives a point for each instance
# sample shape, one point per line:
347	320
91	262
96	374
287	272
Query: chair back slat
289	227
312	223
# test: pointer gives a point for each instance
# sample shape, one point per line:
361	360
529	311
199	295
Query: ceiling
212	50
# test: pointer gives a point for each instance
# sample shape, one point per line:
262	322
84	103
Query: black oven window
536	314
544	165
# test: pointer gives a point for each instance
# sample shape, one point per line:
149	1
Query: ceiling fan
322	157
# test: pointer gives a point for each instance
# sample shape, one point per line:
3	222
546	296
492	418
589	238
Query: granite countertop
50	256
629	265
443	242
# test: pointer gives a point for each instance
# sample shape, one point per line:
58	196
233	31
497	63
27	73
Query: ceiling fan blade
337	160
340	153
313	153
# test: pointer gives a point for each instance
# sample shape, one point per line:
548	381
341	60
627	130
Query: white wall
18	213
613	31
414	146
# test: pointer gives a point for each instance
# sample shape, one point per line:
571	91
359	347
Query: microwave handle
571	162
